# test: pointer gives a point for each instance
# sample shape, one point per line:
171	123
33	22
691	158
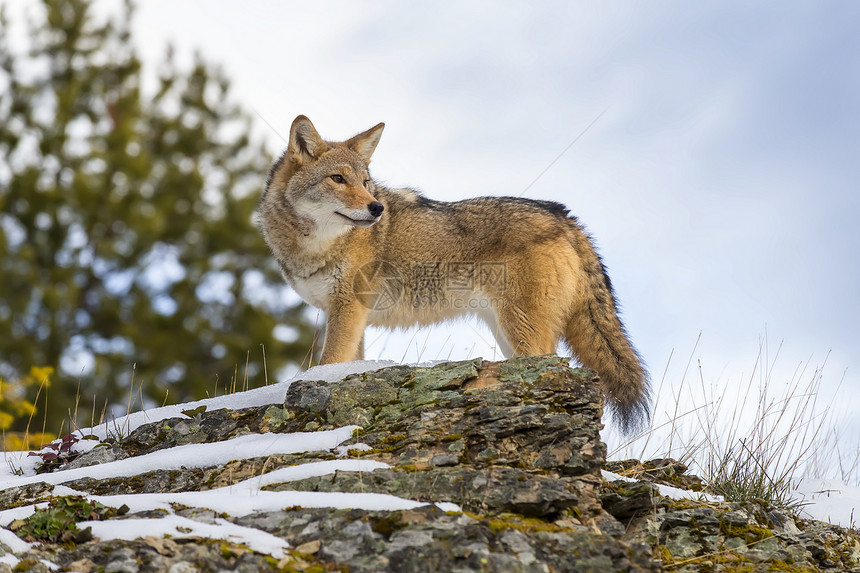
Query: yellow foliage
41	375
21	442
14	403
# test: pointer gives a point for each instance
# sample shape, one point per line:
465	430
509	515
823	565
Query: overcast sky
720	178
721	183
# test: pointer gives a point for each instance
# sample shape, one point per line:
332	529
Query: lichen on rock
515	445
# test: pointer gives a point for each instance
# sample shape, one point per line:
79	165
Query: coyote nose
376	208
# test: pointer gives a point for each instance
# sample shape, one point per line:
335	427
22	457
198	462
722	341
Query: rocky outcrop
513	445
696	535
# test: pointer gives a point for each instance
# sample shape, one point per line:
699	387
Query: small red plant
57	453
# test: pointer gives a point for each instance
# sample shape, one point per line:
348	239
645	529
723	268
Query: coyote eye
337	178
366	183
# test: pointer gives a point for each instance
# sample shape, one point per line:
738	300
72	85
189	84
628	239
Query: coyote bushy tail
598	339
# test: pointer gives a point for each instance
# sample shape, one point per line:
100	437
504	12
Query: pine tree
126	236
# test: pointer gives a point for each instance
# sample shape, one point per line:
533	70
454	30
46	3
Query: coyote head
325	184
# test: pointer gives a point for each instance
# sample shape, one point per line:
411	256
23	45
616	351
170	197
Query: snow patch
13	542
272	394
667	490
180	527
829	501
195	456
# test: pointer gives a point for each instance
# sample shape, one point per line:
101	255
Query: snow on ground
247	496
830	501
239	499
14	543
191	456
8	559
272	394
667	490
15	462
243	498
827	500
177	526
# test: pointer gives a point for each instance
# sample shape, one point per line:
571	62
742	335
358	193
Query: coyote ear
305	142
365	143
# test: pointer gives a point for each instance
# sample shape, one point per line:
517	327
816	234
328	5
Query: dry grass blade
750	442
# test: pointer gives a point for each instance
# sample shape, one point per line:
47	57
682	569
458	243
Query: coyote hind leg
527	330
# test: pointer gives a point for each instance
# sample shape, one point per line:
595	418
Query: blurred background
710	148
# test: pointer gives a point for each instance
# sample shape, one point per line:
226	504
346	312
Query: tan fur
525	267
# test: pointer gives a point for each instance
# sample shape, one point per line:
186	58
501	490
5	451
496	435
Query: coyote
366	254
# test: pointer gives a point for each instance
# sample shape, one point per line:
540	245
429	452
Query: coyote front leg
344	331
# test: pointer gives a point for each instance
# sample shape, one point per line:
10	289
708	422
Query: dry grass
748	441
